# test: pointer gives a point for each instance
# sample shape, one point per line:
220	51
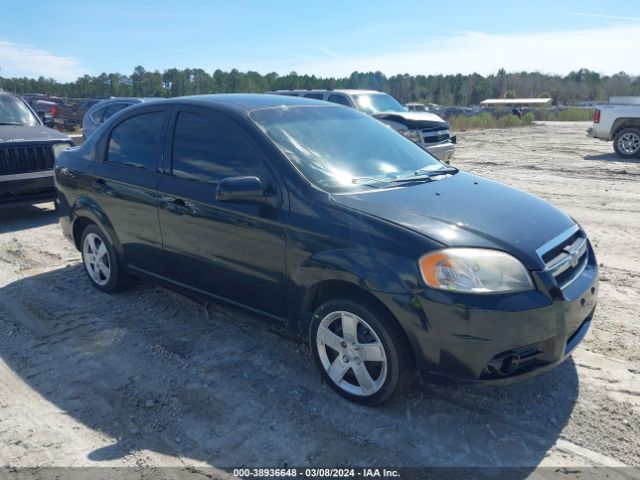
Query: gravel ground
149	378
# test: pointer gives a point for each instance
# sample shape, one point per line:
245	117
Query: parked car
27	153
46	107
416	107
67	115
102	111
426	129
327	222
619	120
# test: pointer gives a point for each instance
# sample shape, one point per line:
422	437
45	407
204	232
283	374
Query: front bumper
443	151
25	188
458	337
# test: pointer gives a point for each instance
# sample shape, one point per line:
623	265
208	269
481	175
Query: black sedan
342	230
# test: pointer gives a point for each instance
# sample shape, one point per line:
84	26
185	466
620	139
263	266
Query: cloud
607	49
610	17
20	60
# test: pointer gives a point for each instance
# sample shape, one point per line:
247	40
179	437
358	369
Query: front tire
627	143
360	355
100	261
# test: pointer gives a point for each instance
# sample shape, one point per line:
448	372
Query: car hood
414	120
465	210
22	133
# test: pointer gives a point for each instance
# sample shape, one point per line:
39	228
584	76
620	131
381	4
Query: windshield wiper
10	123
435	173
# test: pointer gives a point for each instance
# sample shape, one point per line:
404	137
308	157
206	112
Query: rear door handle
100	186
179	206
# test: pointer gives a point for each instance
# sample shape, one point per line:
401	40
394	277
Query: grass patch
487	120
571	114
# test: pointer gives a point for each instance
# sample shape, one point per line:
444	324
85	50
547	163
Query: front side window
315	96
14	111
136	141
208	148
372	103
339	149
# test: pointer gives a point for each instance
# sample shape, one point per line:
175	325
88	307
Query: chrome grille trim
572	257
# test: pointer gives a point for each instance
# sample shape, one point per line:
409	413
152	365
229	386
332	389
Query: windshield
372	103
339	149
14	111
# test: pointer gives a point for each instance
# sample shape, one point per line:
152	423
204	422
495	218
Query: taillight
54	110
596	116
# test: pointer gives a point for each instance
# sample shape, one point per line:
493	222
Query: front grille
25	159
566	256
430	136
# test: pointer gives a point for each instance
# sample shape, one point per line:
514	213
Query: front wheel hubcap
351	353
96	259
629	143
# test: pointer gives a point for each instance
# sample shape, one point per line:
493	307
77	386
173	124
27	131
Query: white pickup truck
619	120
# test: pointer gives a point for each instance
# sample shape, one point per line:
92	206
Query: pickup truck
618	120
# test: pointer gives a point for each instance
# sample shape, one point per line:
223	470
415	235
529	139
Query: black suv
325	220
27	153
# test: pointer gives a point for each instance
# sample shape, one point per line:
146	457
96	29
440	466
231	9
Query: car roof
348	91
246	101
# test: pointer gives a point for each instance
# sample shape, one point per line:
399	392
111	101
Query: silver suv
426	129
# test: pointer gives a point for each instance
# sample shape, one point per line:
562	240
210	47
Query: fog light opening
504	364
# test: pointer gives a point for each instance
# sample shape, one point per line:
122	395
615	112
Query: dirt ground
149	378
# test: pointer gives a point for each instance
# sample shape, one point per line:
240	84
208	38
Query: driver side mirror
240	189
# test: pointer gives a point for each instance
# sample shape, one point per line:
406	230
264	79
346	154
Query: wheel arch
622	123
333	289
85	212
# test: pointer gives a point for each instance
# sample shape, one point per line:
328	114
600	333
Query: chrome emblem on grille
574	255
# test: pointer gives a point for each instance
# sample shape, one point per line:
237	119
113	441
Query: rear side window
136	141
339	99
208	149
113	109
315	96
98	114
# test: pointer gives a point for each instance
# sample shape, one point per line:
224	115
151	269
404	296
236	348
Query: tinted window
113	109
97	115
208	149
316	96
339	99
136	141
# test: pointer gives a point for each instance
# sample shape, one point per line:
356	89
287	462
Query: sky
64	40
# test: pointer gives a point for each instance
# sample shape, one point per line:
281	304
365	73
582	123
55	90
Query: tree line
463	90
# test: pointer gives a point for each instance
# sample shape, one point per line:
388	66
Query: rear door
231	250
125	185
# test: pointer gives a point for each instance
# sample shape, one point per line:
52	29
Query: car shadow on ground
21	217
611	157
153	370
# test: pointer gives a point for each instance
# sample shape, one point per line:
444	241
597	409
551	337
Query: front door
231	250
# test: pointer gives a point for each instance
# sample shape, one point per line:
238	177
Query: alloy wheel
629	143
96	259
351	353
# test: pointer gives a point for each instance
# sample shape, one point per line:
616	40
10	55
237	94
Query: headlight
58	148
413	135
474	270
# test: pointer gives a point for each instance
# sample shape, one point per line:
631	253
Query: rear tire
360	354
626	143
100	261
